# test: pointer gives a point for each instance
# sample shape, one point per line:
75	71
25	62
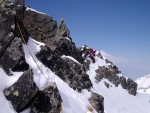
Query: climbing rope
23	39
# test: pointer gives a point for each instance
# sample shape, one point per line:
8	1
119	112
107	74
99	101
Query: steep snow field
116	99
144	84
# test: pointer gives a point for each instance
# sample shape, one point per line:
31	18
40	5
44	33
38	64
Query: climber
92	52
91	55
88	53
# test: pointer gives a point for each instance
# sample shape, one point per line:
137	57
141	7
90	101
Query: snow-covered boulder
21	93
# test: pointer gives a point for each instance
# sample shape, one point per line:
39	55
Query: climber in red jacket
91	55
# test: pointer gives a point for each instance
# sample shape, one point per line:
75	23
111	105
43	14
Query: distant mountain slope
144	84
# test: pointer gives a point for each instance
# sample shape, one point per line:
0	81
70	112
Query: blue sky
121	28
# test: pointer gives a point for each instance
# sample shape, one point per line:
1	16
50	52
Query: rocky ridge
24	93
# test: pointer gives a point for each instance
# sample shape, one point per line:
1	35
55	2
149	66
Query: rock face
40	26
63	30
7	23
14	58
63	46
97	102
47	101
11	52
69	71
22	92
111	74
44	29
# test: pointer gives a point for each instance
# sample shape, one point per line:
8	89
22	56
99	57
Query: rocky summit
56	78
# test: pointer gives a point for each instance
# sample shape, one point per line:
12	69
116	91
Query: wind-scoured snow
144	84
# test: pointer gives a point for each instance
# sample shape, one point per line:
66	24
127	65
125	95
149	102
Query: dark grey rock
14	57
79	74
131	86
44	29
7	19
68	70
97	102
63	46
107	84
99	55
47	101
63	30
40	26
107	61
22	92
110	73
123	82
11	52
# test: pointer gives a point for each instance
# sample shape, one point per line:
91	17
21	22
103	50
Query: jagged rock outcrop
40	26
22	92
111	74
11	53
47	101
14	57
63	46
81	78
71	72
44	29
97	102
63	30
7	23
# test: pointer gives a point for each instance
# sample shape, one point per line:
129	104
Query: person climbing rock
92	52
88	53
91	55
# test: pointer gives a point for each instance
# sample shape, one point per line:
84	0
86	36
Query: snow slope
116	99
144	84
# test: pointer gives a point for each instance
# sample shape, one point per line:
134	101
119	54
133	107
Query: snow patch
5	82
34	10
64	57
144	84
